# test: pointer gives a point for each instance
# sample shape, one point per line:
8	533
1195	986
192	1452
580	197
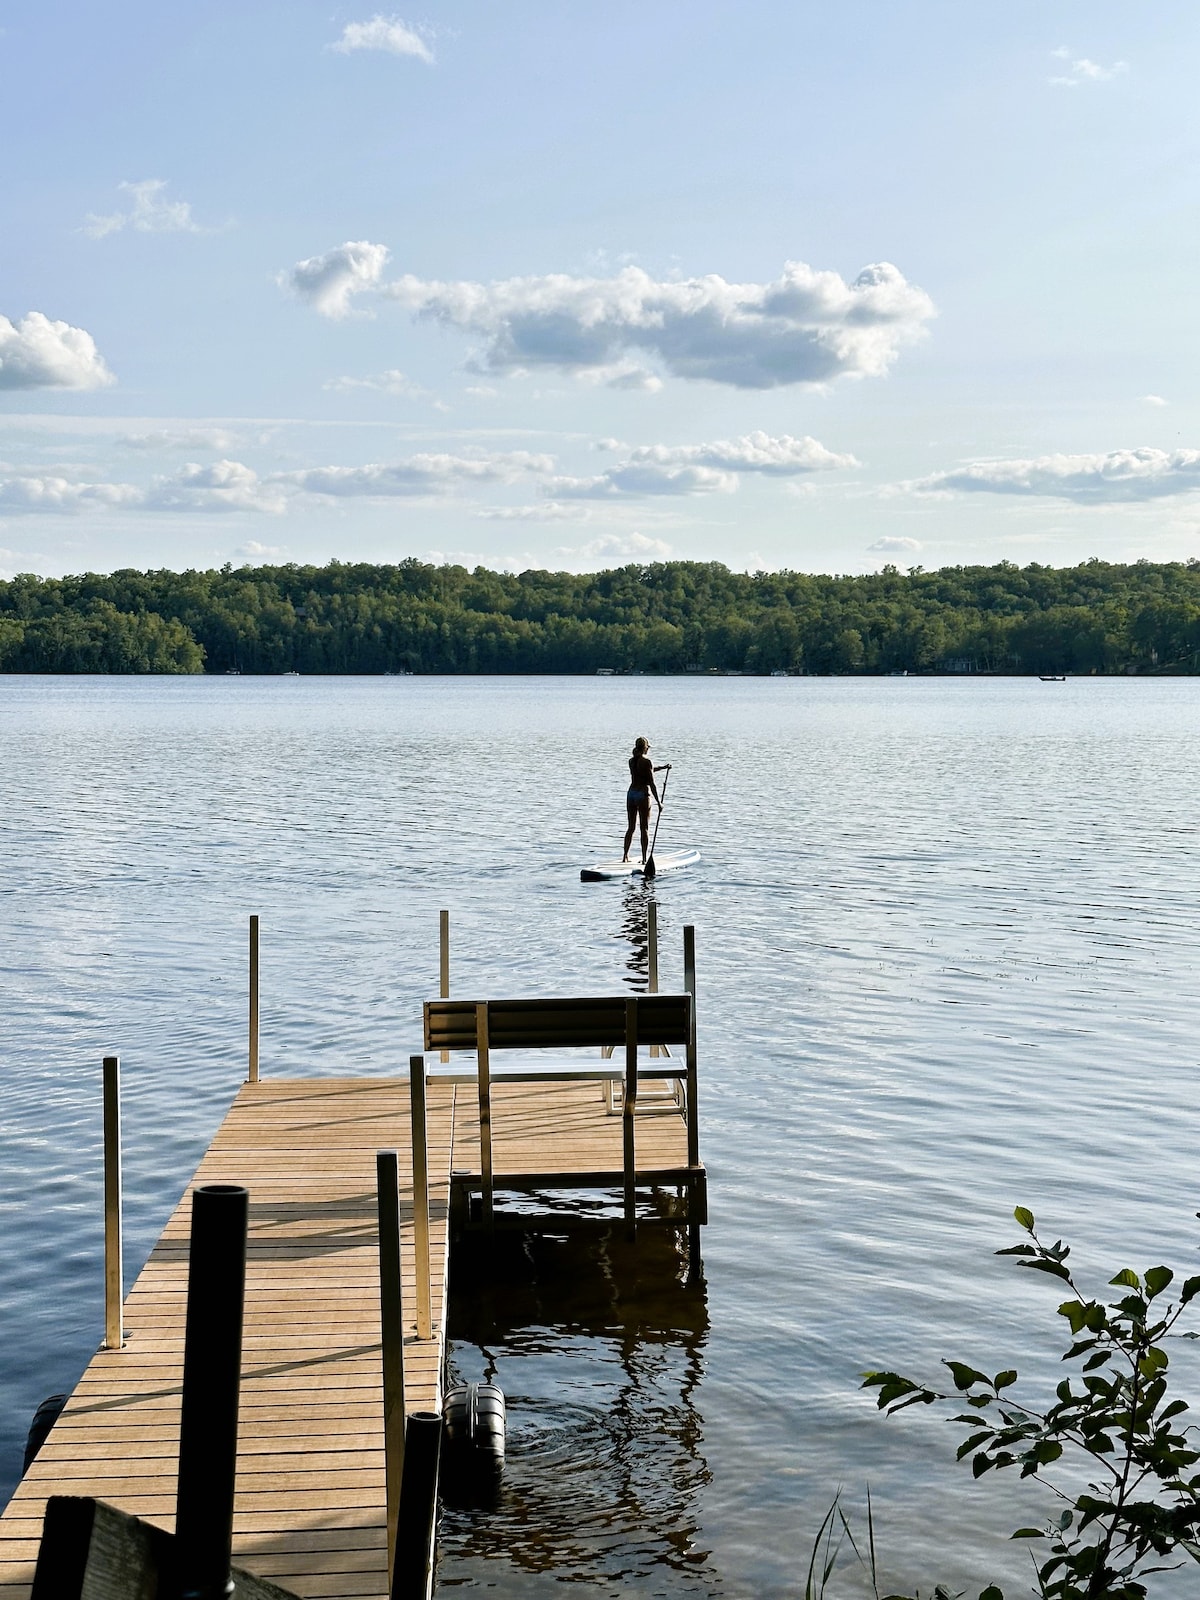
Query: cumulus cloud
622	375
427	474
389	34
253	548
149	211
806	326
328	282
1080	70
180	439
702	468
1115	478
1154	400
895	546
26	494
221	486
36	353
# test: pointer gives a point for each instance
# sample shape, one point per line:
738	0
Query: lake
947	946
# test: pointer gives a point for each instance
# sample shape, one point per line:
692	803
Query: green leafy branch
1114	1418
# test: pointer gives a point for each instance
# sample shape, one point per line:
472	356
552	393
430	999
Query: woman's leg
633	815
644	819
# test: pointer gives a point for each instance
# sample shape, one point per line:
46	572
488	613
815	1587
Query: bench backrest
573	1023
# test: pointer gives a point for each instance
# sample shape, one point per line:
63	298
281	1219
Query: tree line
671	616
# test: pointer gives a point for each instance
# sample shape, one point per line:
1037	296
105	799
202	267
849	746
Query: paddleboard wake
664	861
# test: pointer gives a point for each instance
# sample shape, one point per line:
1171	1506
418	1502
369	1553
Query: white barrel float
474	1418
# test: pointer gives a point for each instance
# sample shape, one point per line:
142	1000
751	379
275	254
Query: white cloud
221	486
327	282
180	439
393	381
1154	400
542	511
1118	477
618	547
1081	70
622	375
150	212
36	353
805	327
384	33
253	548
894	546
27	494
702	468
429	474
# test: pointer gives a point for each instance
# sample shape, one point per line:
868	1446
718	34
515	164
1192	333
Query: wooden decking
310	1510
310	1503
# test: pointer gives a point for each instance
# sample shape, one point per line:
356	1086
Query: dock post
114	1330
252	1072
484	1073
695	1202
420	1154
412	1573
444	942
212	1364
631	1088
391	1314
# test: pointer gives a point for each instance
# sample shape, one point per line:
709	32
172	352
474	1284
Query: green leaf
1028	1533
1025	1217
1191	1289
965	1377
1055	1268
1126	1279
991	1593
1005	1380
1157	1279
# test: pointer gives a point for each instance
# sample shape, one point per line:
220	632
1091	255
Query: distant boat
1053	677
291	674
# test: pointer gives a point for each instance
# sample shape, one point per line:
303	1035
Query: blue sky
570	285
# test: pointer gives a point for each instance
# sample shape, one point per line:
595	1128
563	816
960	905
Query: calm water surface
947	952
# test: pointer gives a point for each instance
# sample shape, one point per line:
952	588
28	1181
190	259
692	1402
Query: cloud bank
418	475
36	353
1116	478
805	327
702	468
389	34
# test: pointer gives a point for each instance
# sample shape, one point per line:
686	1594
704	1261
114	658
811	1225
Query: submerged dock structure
357	1188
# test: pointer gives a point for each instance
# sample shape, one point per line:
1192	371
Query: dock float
545	1148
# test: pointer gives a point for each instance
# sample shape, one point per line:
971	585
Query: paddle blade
649	870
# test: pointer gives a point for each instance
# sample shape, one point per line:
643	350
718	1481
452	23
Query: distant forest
672	616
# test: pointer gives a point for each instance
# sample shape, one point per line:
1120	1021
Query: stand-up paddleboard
664	861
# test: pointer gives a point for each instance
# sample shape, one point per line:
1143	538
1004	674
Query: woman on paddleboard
641	787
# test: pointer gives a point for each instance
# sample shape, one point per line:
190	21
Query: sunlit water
948	949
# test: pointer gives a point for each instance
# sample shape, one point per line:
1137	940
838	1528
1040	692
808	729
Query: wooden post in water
420	1153
391	1316
444	941
252	1073
114	1331
212	1366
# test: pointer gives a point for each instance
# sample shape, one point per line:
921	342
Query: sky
782	285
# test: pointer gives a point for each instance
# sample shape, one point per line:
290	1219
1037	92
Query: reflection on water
637	896
598	1346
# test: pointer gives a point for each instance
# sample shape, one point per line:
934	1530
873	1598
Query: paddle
649	870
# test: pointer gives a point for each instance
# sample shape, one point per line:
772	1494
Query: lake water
947	950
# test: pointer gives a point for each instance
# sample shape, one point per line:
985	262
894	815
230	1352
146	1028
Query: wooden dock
310	1511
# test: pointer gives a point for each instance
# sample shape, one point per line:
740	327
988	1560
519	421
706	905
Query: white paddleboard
664	861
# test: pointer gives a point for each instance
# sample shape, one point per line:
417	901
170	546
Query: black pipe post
412	1571
212	1363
